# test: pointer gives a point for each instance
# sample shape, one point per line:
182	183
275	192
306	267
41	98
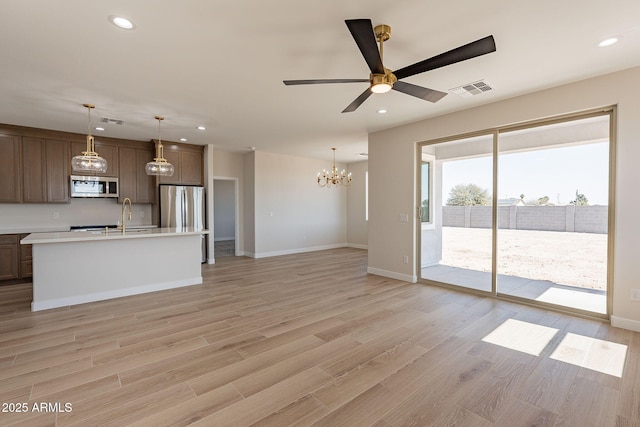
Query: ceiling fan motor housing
380	81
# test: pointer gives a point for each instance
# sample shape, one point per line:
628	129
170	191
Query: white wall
224	209
248	220
292	213
357	225
35	216
395	150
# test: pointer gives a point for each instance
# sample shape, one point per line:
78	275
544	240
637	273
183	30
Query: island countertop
77	267
110	234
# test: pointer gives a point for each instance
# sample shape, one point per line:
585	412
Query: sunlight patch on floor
521	336
591	353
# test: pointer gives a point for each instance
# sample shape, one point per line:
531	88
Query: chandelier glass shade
333	177
89	161
159	166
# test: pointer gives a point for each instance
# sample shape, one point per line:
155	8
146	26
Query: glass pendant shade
89	161
159	166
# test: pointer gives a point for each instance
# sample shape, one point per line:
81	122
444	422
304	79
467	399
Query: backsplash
78	212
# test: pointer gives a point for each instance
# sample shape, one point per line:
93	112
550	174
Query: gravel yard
575	259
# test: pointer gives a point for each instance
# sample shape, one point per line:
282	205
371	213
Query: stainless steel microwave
94	186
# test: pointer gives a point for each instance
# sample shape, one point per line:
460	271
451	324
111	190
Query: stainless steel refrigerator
182	207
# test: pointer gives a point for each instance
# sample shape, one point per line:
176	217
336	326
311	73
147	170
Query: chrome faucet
124	203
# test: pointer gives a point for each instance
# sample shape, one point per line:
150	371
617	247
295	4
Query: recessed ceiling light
609	41
382	111
121	22
183	139
100	129
201	128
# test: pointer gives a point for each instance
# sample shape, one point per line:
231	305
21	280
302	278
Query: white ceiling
221	64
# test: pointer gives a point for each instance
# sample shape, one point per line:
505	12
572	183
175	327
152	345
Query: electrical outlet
635	294
405	258
56	215
141	214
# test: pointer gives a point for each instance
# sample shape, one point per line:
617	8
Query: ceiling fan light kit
371	40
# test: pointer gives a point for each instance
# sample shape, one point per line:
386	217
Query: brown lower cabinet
15	259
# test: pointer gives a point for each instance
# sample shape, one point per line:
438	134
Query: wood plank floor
311	339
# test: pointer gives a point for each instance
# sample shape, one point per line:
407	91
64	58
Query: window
425	209
366	195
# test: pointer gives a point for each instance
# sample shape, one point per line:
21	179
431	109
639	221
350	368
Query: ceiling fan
382	79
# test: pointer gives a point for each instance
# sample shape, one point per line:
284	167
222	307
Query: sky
556	173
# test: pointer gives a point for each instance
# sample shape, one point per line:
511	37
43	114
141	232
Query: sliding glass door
456	241
544	236
553	186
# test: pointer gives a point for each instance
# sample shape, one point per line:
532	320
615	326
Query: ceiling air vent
115	121
471	89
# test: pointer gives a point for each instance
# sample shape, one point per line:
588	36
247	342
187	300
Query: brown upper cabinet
58	160
10	169
187	161
35	165
44	170
133	179
33	170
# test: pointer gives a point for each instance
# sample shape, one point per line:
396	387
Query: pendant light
159	166
89	161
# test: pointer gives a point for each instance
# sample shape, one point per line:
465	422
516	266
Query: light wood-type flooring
311	339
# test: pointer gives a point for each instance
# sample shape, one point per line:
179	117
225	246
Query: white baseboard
620	322
298	251
357	246
100	296
392	275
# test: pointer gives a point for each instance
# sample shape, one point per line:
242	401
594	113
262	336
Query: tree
543	200
425	211
580	200
468	195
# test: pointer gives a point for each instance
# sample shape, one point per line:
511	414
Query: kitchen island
78	267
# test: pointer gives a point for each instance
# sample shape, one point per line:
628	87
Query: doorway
225	216
522	212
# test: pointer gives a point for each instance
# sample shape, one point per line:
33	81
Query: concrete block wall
543	218
453	216
580	219
480	216
591	219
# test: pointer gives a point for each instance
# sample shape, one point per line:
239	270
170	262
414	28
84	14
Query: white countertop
29	229
55	229
86	236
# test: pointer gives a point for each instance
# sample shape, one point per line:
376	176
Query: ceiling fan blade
362	32
358	101
323	81
427	94
462	53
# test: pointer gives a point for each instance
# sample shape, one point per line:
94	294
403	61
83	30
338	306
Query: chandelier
333	177
89	161
159	166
